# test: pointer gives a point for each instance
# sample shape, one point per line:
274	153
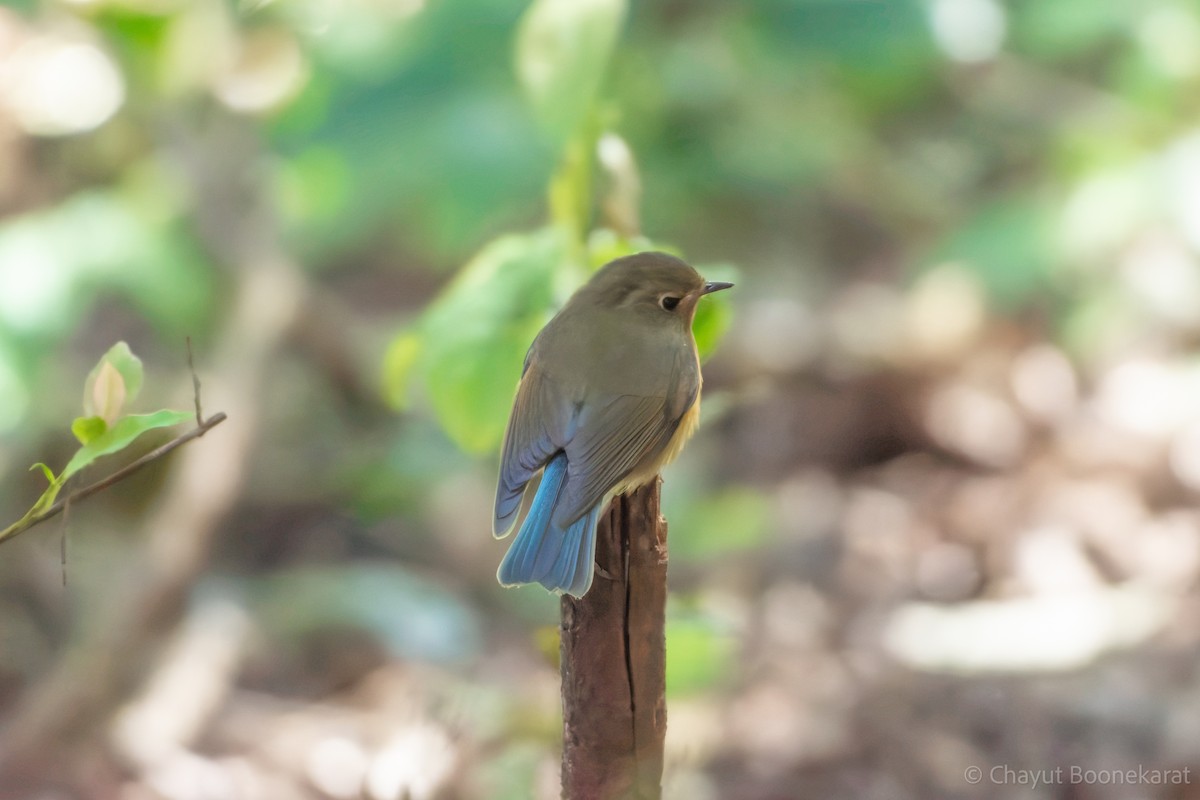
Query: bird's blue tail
560	560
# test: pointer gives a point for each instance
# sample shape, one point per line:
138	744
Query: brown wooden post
614	659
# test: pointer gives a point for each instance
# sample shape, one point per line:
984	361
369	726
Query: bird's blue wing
537	428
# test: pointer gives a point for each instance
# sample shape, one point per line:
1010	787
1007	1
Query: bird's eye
668	302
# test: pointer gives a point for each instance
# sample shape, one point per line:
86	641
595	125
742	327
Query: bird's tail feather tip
562	561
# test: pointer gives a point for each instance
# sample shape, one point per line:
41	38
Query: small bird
609	394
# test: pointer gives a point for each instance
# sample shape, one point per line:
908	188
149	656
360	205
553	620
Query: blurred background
937	536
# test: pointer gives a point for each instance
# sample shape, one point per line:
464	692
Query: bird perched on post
609	393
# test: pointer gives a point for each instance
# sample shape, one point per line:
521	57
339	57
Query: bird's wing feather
614	436
537	429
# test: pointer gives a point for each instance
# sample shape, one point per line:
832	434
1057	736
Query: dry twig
121	474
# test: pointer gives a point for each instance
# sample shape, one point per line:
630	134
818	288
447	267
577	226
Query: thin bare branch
121	474
62	542
195	385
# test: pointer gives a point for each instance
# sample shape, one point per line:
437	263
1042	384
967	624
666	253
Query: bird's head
657	286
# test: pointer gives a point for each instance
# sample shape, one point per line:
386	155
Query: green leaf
472	385
49	495
715	312
88	428
713	317
474	337
108	392
121	435
44	502
563	50
103	394
49	473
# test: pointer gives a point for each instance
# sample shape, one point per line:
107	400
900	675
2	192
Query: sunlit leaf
86	429
115	380
56	482
108	393
119	436
474	337
712	320
43	503
49	473
715	313
472	384
563	49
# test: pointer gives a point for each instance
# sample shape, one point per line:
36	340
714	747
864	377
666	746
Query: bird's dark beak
715	286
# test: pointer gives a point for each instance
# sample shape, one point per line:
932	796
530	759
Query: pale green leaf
472	384
563	50
49	473
475	336
47	497
121	435
128	366
43	503
87	429
108	393
715	312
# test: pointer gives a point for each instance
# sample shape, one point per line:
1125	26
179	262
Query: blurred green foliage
470	343
736	107
468	347
563	49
